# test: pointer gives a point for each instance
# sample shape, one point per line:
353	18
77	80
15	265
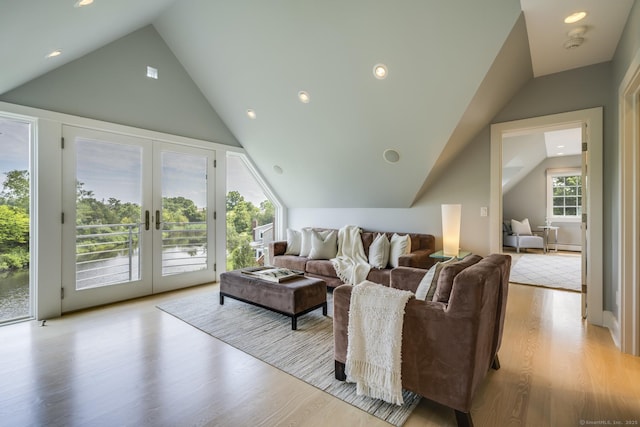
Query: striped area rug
306	354
548	270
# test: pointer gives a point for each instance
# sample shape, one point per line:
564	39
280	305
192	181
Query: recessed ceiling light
575	17
560	146
277	169
54	53
81	3
304	97
380	71
251	113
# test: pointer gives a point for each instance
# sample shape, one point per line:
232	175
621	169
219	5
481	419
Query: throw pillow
379	251
324	244
305	241
294	240
521	227
399	245
429	283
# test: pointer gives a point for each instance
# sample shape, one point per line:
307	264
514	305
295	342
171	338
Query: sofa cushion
400	245
324	244
379	252
448	273
290	261
427	286
294	240
321	267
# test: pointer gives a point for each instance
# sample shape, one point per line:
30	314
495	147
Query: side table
441	256
546	229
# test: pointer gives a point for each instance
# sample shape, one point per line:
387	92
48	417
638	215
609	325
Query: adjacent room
319	213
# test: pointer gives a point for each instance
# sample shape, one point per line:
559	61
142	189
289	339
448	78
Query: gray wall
528	199
110	84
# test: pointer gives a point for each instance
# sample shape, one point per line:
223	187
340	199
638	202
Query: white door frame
628	250
593	118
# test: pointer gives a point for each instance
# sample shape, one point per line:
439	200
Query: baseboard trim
611	322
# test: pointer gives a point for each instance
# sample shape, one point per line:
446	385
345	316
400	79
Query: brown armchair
447	347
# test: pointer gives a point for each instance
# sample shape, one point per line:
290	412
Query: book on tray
272	274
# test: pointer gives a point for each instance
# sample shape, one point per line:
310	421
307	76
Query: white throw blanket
350	262
374	349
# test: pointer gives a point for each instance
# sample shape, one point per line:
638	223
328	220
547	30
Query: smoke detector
573	43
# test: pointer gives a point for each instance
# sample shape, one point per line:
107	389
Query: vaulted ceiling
451	66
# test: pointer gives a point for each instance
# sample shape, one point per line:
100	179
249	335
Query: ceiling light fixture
54	53
575	17
304	97
251	113
81	3
380	71
277	169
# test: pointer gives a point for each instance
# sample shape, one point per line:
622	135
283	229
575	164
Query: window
564	193
252	214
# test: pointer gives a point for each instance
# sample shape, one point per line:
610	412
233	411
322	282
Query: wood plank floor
131	364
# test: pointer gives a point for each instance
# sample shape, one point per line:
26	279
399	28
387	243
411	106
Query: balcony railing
108	254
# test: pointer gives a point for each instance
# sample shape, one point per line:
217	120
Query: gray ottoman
293	297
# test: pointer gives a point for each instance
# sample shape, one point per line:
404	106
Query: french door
137	217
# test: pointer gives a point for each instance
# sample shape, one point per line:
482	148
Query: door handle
157	220
146	220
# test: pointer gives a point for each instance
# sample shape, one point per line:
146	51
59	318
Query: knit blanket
374	348
350	262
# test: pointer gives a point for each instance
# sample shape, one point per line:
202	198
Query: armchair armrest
417	259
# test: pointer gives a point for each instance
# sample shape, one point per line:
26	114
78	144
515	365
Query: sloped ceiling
252	54
450	64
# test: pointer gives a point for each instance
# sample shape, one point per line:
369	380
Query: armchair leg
339	371
496	363
464	419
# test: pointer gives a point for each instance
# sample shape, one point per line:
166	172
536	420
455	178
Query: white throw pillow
324	244
521	227
399	245
305	241
379	251
429	283
294	241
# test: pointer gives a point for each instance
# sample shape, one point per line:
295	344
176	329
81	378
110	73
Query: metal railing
108	254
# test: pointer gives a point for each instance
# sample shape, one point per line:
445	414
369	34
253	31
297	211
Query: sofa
422	245
449	343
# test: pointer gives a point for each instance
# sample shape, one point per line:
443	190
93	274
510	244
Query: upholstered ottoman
292	298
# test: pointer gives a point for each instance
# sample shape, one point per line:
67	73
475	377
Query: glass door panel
183	221
107	224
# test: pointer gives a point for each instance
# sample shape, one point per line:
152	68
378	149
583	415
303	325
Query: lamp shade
451	229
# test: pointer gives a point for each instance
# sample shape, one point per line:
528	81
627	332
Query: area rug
306	353
548	270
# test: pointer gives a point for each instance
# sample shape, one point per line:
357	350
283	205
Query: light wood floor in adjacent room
131	364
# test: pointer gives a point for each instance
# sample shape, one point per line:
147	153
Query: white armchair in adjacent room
517	234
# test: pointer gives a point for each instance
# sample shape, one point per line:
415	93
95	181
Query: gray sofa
422	245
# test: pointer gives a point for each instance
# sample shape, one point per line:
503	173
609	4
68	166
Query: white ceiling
259	54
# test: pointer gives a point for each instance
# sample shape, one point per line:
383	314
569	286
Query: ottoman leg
221	299
324	309
294	323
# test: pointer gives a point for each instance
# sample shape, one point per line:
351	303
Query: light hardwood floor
131	364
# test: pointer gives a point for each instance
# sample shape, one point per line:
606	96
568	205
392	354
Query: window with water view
15	137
